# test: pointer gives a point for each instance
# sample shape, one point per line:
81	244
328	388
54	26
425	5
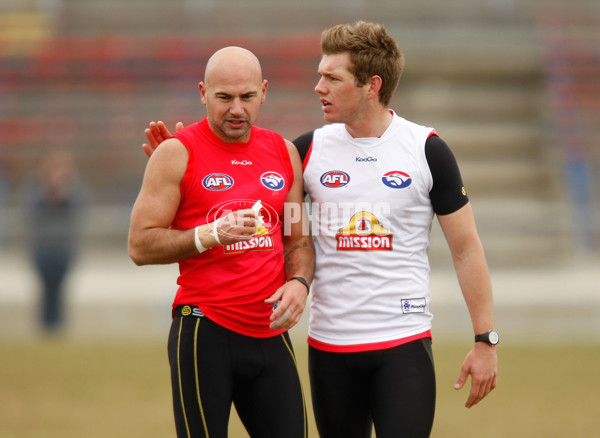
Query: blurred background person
4	204
53	204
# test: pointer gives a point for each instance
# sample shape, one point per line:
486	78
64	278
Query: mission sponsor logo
257	243
217	182
335	179
397	179
366	159
272	181
364	233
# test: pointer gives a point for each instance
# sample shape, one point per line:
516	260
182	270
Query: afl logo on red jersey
217	182
335	179
397	179
272	181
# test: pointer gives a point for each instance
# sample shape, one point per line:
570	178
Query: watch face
494	338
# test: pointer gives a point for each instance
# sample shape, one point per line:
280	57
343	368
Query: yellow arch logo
364	224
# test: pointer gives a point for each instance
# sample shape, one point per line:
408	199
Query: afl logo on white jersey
335	179
397	179
217	182
272	181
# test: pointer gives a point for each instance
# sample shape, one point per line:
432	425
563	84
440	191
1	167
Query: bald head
233	62
233	91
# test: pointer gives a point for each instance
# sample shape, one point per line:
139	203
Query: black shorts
213	367
392	389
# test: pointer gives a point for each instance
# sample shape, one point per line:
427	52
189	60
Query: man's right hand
156	134
237	226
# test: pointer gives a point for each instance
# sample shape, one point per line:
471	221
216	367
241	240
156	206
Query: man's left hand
156	133
291	299
481	364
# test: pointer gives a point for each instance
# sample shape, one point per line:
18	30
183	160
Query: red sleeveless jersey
229	283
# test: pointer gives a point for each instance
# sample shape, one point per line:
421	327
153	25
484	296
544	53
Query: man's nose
237	108
319	88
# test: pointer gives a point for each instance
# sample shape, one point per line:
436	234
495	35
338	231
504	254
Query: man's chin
239	134
329	118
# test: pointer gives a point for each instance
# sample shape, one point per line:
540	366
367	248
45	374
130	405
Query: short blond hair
372	52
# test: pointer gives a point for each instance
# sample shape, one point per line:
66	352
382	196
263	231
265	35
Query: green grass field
69	388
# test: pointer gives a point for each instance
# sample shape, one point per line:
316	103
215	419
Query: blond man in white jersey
376	181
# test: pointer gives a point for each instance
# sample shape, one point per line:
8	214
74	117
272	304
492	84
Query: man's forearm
299	258
474	279
161	246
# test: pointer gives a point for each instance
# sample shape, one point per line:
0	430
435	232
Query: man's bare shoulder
168	161
171	150
171	146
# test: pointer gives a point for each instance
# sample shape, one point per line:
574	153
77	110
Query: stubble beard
236	133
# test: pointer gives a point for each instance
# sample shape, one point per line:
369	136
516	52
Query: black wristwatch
490	337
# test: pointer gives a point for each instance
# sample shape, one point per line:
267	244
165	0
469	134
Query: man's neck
373	123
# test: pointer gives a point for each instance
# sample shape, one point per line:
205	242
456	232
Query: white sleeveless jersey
371	221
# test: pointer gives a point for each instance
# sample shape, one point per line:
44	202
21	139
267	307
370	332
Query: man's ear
265	85
202	88
374	84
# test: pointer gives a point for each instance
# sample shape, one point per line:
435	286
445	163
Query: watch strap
304	282
486	337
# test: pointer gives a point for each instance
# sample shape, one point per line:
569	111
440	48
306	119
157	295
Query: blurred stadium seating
88	76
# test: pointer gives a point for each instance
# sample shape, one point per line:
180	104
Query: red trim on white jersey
307	158
366	347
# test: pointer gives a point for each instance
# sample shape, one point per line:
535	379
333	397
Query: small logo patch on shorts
191	310
414	305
